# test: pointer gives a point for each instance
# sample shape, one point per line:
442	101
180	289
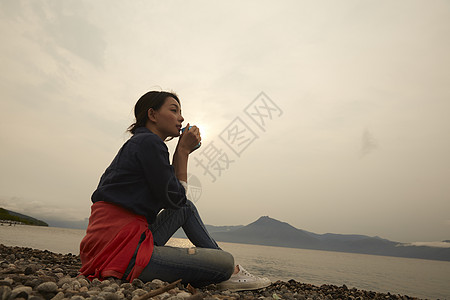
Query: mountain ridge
17	217
271	232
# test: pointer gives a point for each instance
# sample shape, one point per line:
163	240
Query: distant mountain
14	216
271	232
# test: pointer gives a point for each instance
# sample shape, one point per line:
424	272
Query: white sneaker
243	280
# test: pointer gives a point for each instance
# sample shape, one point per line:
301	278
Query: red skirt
111	239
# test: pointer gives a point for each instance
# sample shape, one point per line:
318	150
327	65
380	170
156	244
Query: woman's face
169	119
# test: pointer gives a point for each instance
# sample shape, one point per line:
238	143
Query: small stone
83	282
58	296
75	285
176	297
5	292
47	287
158	282
184	294
63	280
127	285
28	271
109	289
138	292
5	283
164	295
108	296
20	292
151	286
137	283
96	282
77	297
10	280
93	293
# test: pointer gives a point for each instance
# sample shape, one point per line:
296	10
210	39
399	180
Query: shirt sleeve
164	186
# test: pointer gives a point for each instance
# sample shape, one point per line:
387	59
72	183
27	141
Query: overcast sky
351	133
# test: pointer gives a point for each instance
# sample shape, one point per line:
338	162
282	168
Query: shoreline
40	274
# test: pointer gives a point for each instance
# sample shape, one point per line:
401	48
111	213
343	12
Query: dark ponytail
152	99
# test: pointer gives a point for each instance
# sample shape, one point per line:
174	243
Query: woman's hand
189	139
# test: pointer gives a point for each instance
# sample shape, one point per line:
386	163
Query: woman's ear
151	113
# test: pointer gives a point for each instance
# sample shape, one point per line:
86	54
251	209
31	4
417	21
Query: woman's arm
187	141
180	162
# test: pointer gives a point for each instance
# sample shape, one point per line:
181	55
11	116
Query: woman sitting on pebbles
141	202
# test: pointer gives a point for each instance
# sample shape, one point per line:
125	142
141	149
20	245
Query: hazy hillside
271	232
14	216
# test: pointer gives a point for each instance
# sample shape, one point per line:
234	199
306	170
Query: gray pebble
138	292
108	296
5	292
47	287
83	282
5	283
137	283
93	292
95	282
126	285
18	290
58	296
64	280
184	294
10	280
109	289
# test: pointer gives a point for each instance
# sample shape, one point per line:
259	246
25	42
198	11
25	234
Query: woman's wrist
182	151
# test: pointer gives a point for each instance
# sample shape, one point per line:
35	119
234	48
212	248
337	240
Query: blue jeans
199	266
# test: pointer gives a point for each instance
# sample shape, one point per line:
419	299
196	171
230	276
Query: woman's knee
227	265
189	204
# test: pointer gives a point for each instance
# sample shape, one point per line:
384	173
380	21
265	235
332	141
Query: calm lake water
413	277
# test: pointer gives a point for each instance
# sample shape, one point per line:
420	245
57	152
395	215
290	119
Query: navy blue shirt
140	178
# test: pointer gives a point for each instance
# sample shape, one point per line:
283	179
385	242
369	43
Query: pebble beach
32	274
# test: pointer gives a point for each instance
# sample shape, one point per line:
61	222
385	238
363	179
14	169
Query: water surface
406	276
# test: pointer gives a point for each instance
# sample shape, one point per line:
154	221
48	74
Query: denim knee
189	204
226	264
